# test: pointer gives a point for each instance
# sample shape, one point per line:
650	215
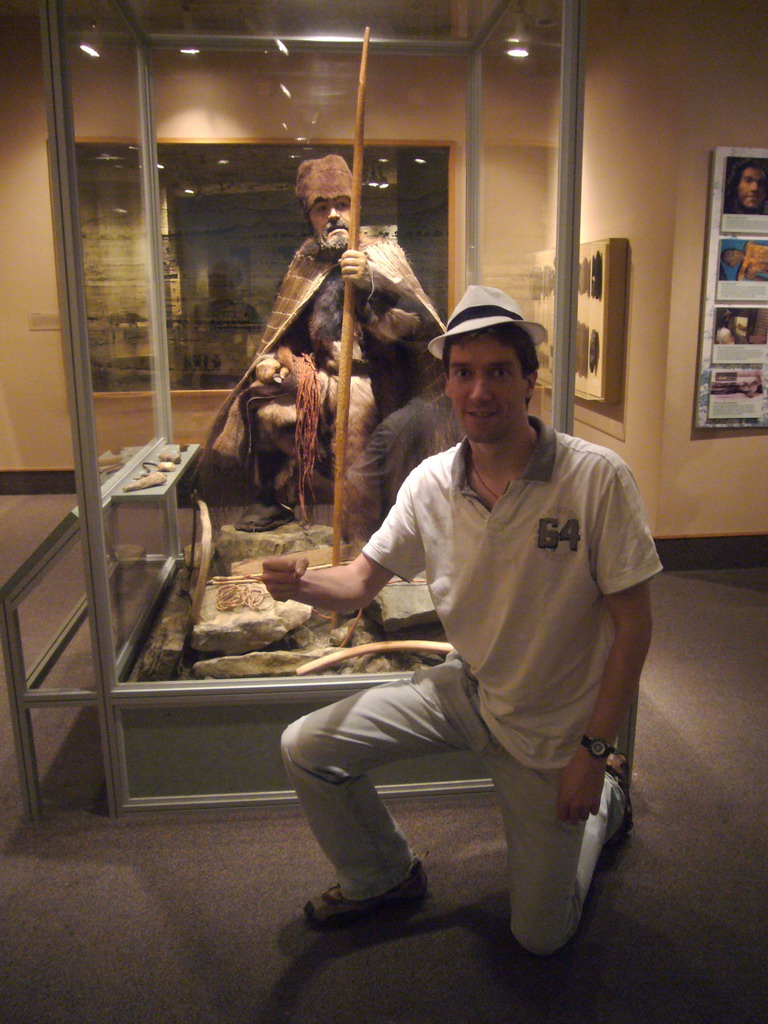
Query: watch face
598	748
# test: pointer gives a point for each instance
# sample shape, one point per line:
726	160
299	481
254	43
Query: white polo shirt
519	590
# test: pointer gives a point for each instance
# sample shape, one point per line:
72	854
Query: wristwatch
597	747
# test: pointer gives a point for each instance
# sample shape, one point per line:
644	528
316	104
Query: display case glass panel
397	20
231	225
55	607
521	100
104	73
136	539
244	92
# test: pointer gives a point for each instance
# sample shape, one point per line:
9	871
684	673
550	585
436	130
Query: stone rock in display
241	630
257	663
363	634
302	639
238	546
401	606
240	642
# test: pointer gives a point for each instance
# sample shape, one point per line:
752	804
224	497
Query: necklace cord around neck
485	485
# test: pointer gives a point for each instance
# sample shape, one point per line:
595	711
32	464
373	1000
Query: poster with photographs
733	363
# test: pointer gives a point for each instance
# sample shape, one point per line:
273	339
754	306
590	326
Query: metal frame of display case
115	699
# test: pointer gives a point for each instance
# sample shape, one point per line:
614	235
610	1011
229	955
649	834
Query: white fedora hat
485	307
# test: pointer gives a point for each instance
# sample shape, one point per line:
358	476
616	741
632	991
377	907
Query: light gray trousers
328	753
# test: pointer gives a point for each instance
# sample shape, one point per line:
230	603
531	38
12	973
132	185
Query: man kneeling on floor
538	559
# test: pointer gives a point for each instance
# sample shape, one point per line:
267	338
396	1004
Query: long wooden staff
348	321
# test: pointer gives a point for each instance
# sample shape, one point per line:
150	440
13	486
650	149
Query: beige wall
666	84
34	423
663	90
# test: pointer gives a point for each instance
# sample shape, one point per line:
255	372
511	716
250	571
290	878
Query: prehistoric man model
275	433
538	558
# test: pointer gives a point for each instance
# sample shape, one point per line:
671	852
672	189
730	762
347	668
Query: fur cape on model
394	324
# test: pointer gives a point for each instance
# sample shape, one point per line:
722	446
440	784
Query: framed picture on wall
733	355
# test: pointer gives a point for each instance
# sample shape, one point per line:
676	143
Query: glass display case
176	133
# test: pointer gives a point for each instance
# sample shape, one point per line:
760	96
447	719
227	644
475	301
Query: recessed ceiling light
190	51
281	46
286	90
518	51
90	50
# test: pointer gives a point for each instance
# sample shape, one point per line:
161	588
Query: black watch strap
597	747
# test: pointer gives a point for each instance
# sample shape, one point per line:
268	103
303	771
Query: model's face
330	222
489	393
752	190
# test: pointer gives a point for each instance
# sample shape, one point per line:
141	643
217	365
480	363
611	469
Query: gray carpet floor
197	918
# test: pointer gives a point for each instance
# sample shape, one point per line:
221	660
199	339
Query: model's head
747	187
323	188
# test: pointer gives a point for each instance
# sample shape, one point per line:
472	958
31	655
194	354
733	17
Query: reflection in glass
231	225
135	538
106	109
115	253
519	162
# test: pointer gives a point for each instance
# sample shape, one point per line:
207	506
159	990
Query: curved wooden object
206	552
342	654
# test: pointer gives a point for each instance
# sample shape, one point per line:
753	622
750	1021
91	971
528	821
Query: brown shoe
332	907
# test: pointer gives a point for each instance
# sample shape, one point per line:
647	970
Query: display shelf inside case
170	479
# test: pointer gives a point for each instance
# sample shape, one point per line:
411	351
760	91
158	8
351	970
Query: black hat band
480	312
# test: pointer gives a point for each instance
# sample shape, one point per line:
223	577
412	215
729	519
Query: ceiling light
286	90
190	51
281	46
90	50
518	51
